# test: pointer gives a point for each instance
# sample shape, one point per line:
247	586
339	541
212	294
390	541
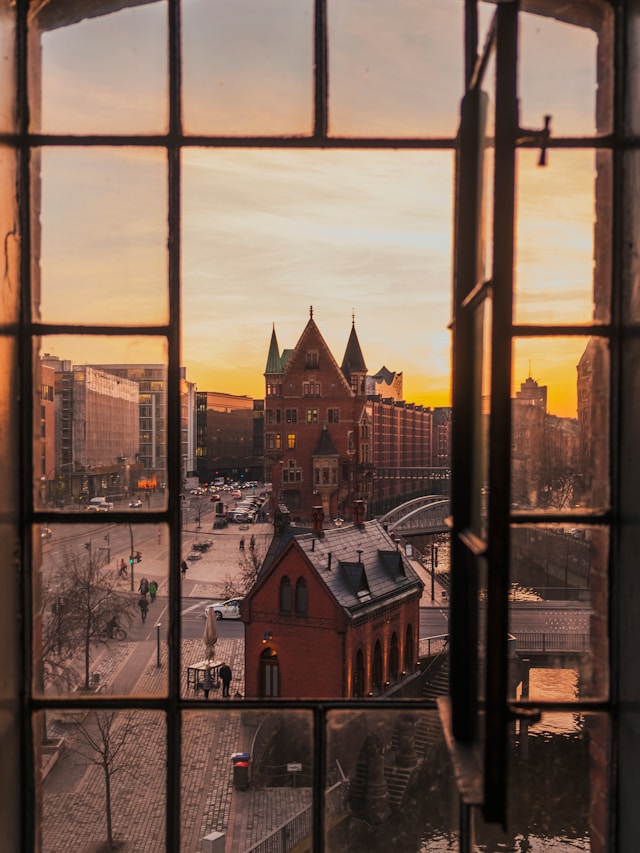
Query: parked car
135	504
229	609
240	516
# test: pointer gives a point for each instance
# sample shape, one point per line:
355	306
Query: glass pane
395	70
102	229
389	783
353	226
557	280
558	610
560	74
249	779
84	754
100	419
247	67
8	112
92	632
556	774
559	451
100	74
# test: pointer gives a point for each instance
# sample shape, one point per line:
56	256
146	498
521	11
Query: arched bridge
426	514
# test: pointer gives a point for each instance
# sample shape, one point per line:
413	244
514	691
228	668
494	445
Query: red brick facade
328	443
308	635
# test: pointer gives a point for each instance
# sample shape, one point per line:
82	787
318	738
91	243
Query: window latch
541	137
525	715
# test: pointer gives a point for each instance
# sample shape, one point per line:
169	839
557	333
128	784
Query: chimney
358	514
318	519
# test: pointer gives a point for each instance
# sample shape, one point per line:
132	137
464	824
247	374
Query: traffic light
130	561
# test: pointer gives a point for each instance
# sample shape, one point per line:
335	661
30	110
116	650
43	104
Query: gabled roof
311	338
353	361
325	446
360	567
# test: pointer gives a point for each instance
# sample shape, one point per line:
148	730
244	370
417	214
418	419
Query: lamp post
158	626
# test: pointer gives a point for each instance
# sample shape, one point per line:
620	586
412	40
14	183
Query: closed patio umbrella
210	636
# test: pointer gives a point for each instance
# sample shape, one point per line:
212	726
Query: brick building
329	440
333	614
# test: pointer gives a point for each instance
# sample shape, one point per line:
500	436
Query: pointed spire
274	362
353	361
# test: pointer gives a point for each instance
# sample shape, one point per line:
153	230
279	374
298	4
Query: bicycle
116	634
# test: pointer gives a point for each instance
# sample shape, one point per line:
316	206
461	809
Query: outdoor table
195	672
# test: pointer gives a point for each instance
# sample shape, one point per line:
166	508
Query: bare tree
250	564
107	740
78	606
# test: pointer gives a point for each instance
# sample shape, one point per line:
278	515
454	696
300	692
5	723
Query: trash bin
241	762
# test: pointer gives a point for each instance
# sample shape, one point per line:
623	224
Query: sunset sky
268	233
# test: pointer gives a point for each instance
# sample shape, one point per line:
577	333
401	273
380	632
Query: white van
99	505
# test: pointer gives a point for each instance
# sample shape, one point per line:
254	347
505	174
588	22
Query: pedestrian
143	589
153	589
252	543
207	682
242	543
122	571
143	604
183	568
225	676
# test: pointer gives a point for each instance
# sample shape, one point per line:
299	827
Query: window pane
559	448
90	633
354	226
100	417
381	764
557	280
249	774
395	70
558	610
103	231
247	67
559	74
556	774
79	756
102	74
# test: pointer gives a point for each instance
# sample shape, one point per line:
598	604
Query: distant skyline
267	233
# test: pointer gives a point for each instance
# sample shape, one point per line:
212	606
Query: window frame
31	330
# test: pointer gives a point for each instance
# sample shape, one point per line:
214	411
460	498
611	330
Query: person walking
225	676
207	682
153	589
122	570
143	589
183	569
242	543
143	604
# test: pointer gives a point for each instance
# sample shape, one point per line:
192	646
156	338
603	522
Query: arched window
285	596
269	674
408	649
393	658
301	597
376	673
357	686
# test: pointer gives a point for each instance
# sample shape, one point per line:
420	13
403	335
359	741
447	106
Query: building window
311	359
333	416
364	454
377	669
358	688
311	389
291	441
285	597
312	416
292	416
301	597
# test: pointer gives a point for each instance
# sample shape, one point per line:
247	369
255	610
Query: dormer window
311	359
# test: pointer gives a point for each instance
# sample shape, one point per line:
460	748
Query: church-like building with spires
334	435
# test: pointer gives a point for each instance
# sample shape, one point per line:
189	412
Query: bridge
423	515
